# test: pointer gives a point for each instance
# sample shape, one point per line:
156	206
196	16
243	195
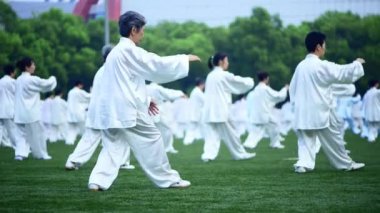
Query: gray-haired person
122	108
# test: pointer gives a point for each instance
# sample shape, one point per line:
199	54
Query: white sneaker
72	166
348	151
180	184
48	157
94	187
127	166
299	169
19	158
356	166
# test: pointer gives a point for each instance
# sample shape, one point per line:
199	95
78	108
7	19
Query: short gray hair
129	20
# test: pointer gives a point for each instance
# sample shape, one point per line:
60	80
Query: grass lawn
265	183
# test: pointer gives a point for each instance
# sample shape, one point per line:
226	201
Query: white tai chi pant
87	146
258	131
193	132
59	132
146	143
8	128
331	140
373	130
73	130
30	136
214	132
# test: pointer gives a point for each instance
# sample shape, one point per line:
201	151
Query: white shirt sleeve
236	84
155	68
43	85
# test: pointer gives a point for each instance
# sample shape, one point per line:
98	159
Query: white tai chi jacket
27	97
77	103
371	105
220	85
196	101
311	92
59	111
261	101
122	90
7	97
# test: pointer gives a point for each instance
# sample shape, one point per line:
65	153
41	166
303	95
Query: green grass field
265	183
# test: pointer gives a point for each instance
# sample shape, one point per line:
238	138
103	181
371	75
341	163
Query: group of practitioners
129	111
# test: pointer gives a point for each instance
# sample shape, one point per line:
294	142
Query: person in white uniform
161	94
371	106
261	103
196	101
77	102
46	115
311	92
30	135
7	107
59	117
121	108
91	137
356	114
220	85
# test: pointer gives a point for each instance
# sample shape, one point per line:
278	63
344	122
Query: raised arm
236	84
43	85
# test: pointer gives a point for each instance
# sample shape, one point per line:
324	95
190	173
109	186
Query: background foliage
65	46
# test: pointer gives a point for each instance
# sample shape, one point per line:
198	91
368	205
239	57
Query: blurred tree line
65	46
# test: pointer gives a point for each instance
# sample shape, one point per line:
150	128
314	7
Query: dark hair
372	83
199	81
214	60
313	39
129	20
106	50
9	69
24	63
58	92
262	76
77	83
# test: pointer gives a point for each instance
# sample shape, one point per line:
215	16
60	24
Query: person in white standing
121	108
371	106
220	85
30	135
311	92
261	102
7	105
59	117
46	115
77	102
161	94
91	137
196	101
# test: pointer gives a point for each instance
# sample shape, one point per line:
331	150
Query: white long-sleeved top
161	94
310	89
122	91
356	111
59	111
371	105
261	101
77	103
47	110
91	112
27	96
196	101
7	97
220	85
